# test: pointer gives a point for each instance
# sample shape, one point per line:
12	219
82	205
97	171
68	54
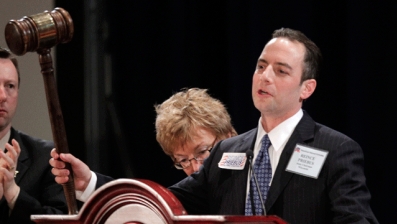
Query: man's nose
3	94
266	74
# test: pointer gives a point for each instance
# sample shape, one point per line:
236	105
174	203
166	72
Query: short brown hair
6	54
187	110
313	56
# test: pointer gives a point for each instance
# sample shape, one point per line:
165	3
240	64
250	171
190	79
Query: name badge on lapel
232	161
307	161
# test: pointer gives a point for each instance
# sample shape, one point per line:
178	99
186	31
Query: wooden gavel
41	32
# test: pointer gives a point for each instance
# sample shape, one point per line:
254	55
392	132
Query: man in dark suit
26	184
314	174
335	193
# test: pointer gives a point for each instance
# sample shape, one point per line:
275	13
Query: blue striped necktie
263	171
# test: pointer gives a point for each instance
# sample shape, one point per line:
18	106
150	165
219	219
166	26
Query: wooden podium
133	201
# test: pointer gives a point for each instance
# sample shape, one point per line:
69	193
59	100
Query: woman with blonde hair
189	124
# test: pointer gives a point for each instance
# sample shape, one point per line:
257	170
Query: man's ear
307	88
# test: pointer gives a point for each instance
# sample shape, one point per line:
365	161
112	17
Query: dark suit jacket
339	195
39	194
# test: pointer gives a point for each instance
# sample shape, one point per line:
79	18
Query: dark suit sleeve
192	191
349	195
102	179
215	191
197	192
39	193
191	194
51	201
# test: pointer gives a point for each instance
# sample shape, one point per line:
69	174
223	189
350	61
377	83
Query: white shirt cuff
84	195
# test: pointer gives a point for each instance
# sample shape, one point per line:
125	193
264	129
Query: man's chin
266	107
3	124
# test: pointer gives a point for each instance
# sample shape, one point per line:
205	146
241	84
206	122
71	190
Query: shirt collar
281	133
4	140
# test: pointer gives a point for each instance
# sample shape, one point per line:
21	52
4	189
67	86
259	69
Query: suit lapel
241	176
303	132
21	168
23	157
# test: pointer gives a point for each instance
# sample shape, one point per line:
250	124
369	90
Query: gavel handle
57	123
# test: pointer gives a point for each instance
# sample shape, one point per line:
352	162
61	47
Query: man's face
276	88
8	92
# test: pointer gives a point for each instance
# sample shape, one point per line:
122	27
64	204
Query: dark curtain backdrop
159	47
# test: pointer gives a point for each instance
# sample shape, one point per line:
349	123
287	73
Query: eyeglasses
199	157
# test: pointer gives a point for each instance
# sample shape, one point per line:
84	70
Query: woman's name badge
232	161
307	161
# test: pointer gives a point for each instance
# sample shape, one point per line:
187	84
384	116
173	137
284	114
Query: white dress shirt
4	140
84	195
278	137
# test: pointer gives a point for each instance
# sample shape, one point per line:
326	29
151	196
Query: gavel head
39	31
